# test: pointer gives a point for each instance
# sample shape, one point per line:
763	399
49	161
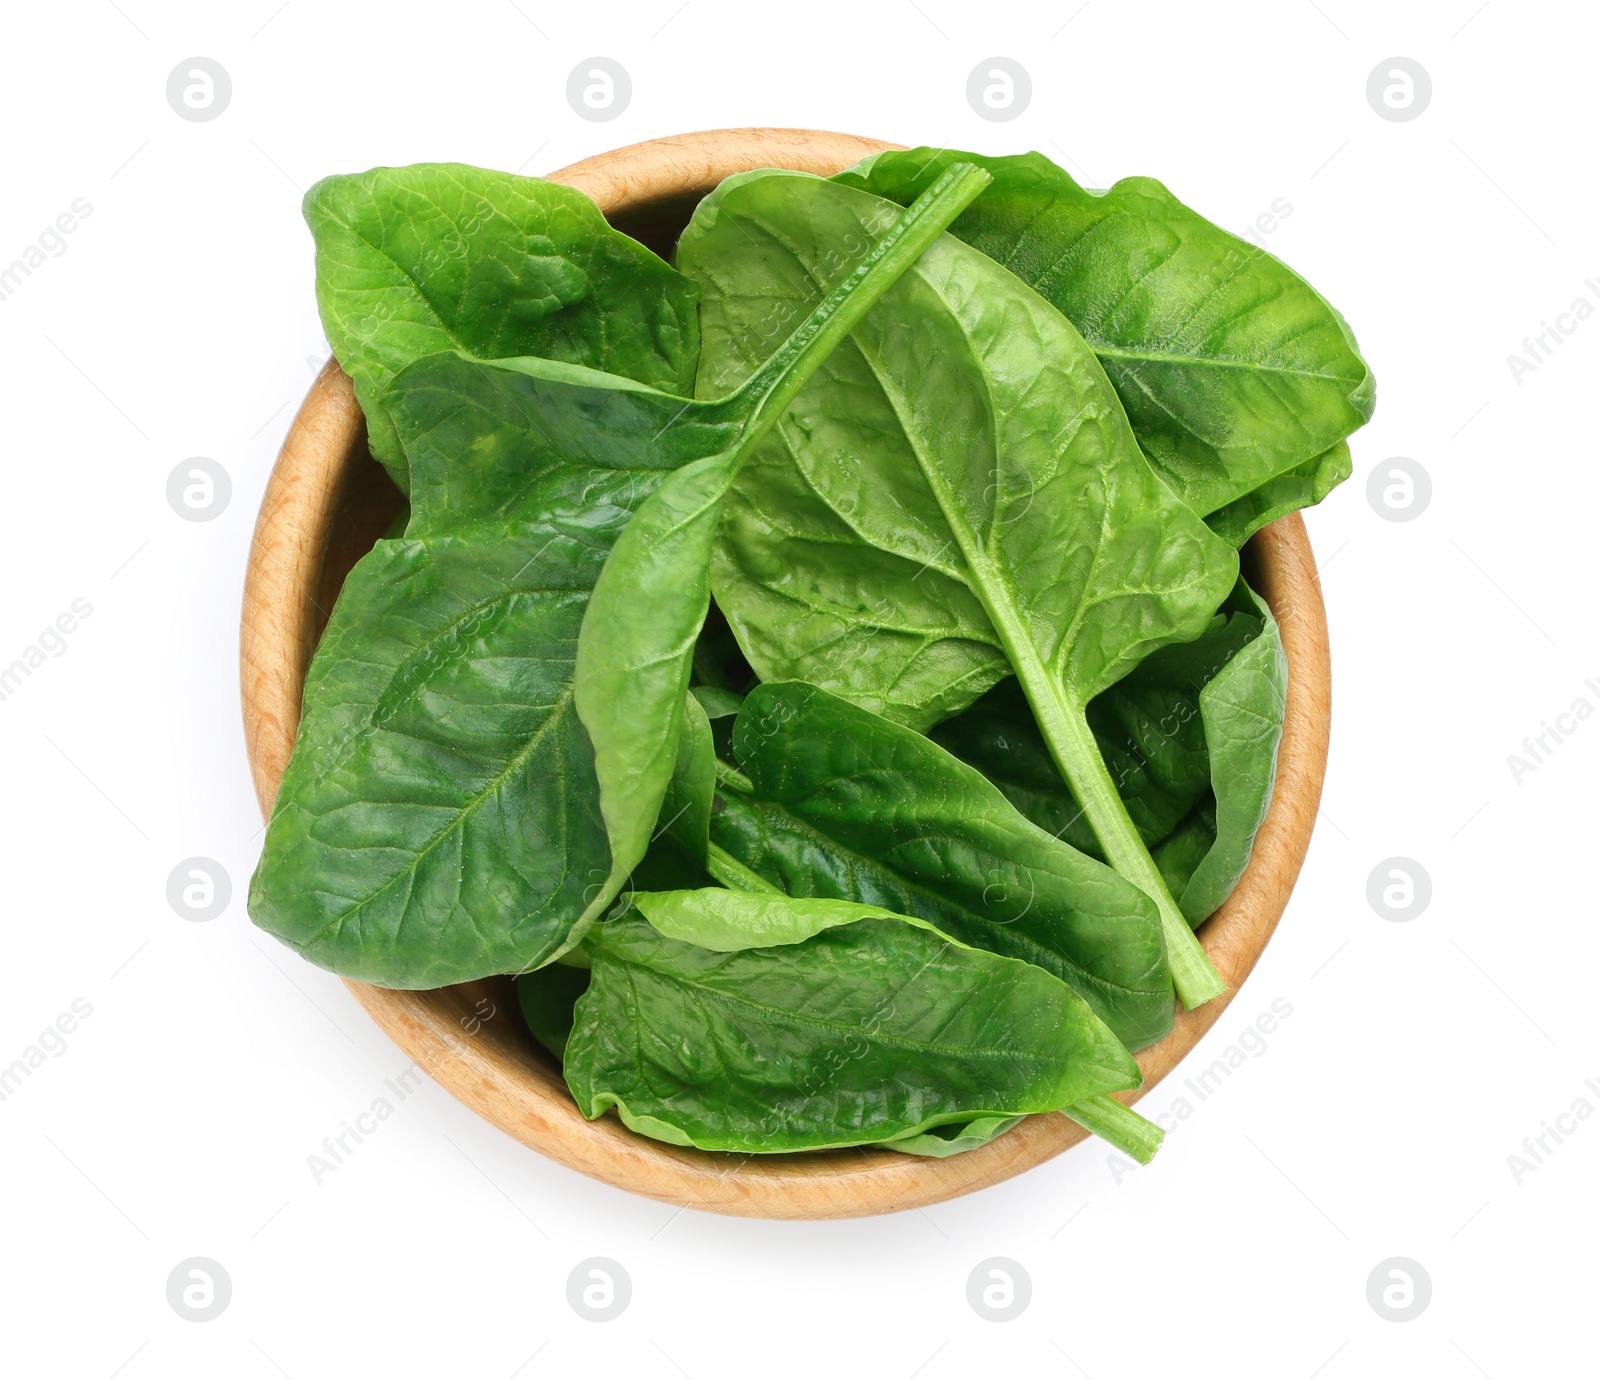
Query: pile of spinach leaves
819	668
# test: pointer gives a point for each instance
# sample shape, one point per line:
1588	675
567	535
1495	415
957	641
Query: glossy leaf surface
546	998
1194	727
956	495
440	818
486	859
1232	368
636	649
846	804
867	1031
1301	487
955	485
440	256
943	1141
1242	707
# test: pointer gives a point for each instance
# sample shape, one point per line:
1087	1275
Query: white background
1377	1123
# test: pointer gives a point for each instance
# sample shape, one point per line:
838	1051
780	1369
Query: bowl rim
469	1038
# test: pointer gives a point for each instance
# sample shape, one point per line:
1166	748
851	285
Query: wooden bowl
327	502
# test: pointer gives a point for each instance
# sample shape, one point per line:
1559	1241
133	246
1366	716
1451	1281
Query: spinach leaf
846	804
1180	852
637	645
1233	369
678	853
720	706
943	1141
869	1030
546	998
955	496
440	256
437	822
1242	708
730	921
1149	734
1192	734
439	819
686	807
1301	487
716	702
719	665
492	439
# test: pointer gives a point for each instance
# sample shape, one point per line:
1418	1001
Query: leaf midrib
515	761
1201	361
984	578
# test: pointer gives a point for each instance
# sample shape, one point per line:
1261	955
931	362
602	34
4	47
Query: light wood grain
327	502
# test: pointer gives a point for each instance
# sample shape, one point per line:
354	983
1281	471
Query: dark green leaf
1233	369
1301	487
849	805
686	809
639	636
717	703
439	819
943	1141
546	998
439	256
1180	852
1194	724
866	1032
1242	708
955	496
